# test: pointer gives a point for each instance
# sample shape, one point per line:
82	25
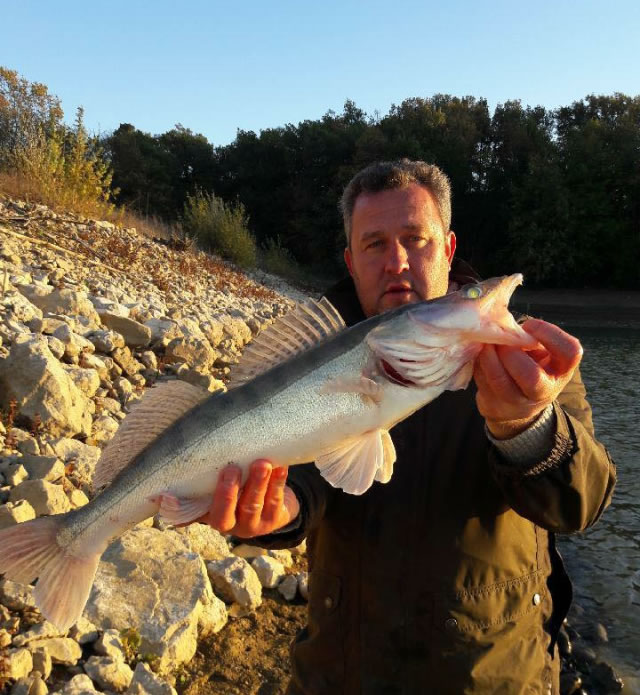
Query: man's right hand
262	505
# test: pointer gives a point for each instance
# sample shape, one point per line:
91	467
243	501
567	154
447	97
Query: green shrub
277	259
219	227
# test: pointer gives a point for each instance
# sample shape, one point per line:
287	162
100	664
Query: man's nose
397	260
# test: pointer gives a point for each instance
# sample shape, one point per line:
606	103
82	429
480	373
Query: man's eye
374	244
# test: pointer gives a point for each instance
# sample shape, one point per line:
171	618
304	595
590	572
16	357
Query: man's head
399	246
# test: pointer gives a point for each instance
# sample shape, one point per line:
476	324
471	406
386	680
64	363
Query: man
446	579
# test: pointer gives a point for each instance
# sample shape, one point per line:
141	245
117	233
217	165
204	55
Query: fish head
477	312
423	344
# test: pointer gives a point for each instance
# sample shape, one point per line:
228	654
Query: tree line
551	193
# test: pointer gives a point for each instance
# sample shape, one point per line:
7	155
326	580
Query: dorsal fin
307	325
159	408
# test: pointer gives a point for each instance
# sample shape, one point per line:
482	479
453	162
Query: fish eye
472	291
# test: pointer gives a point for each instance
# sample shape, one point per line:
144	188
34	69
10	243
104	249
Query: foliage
63	167
220	227
277	259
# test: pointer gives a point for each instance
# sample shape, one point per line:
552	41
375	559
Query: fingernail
230	476
262	472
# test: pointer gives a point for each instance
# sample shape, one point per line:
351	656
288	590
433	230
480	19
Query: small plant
10	440
220	227
277	259
131	642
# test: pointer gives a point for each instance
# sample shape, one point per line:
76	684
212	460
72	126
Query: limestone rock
124	357
15	474
39	384
21	308
204	381
104	427
62	301
270	572
62	650
145	682
110	644
16	596
103	305
49	468
288	587
86	380
5	638
73	344
42	662
235	580
213	331
81	458
88	361
109	673
56	346
79	685
150	580
135	334
44	497
163	331
106	341
283	556
206	541
248	552
39	631
77	498
84	631
19	663
196	352
13	513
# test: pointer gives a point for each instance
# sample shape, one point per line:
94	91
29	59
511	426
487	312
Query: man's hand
515	386
264	504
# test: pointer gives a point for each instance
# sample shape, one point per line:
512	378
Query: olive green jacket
446	579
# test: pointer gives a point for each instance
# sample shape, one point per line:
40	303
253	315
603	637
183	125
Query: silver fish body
332	403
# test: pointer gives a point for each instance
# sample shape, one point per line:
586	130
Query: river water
604	561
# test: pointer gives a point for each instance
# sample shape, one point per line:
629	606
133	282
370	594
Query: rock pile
90	316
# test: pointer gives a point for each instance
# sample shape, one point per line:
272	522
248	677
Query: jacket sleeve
314	495
568	490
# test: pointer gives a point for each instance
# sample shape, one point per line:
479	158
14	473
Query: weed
131	641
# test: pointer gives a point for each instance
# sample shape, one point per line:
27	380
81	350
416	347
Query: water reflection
604	562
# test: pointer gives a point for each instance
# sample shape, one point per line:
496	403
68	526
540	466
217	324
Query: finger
222	514
251	502
565	349
274	497
532	381
502	385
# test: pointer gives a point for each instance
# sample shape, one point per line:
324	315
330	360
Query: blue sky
216	67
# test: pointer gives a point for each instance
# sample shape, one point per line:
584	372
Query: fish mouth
504	329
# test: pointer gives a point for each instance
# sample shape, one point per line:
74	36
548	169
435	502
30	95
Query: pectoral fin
358	462
181	510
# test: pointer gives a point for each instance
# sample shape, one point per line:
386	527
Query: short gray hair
384	176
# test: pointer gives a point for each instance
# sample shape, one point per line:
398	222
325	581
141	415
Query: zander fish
307	389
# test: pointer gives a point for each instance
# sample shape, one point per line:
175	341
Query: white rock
49	468
5	638
150	361
109	673
81	683
15	474
145	682
84	631
63	650
110	644
248	552
37	632
21	308
163	331
204	381
288	587
196	352
13	513
283	556
270	572
56	346
77	498
73	344
104	427
89	361
104	305
42	662
150	580
106	341
39	384
44	497
300	549
62	301
18	664
86	379
135	334
16	596
235	580
80	457
206	541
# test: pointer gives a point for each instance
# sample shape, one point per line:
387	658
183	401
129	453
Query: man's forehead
406	206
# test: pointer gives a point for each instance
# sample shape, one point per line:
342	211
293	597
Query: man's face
399	252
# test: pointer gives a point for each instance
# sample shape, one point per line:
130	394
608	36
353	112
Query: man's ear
348	260
450	247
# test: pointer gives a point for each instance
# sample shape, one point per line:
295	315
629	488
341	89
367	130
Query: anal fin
181	510
358	462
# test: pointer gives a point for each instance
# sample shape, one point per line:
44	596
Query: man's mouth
398	289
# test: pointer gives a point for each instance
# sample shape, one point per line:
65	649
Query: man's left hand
515	386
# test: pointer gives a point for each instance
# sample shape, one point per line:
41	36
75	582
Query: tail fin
31	550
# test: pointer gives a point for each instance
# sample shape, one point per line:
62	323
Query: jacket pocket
495	635
318	651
